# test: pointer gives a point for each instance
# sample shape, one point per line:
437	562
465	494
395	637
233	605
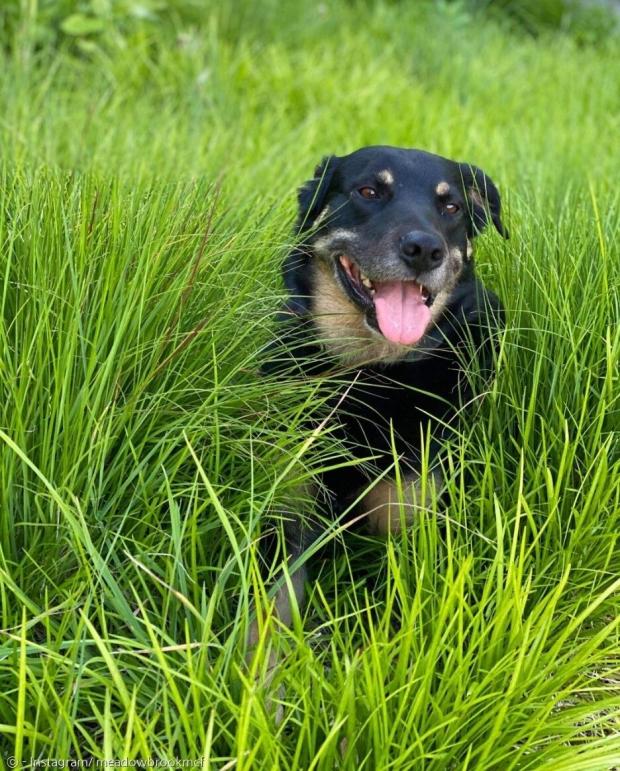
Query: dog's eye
369	193
450	208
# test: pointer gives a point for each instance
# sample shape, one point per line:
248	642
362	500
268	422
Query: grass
146	198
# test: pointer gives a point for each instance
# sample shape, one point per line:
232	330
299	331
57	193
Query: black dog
383	285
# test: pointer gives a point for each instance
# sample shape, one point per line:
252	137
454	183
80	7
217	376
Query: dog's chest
390	409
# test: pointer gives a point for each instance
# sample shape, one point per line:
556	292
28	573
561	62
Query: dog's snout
421	251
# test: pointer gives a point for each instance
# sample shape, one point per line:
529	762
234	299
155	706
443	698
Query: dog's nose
421	251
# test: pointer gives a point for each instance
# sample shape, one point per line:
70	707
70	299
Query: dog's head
386	238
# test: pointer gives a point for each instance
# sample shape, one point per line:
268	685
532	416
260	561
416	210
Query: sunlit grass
146	202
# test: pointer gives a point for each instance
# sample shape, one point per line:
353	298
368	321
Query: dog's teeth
365	280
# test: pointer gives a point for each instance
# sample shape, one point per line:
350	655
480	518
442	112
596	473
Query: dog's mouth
400	310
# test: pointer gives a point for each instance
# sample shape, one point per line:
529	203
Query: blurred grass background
149	156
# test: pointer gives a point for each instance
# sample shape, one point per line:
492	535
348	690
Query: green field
149	157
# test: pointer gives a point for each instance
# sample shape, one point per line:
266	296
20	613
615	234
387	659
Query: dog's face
388	237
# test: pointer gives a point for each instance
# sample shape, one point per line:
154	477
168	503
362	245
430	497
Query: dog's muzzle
399	309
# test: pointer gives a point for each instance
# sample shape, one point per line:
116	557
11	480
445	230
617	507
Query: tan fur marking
441	299
476	197
386	177
456	257
439	304
443	188
325	244
386	509
341	324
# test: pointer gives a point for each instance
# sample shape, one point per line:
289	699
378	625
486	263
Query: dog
382	292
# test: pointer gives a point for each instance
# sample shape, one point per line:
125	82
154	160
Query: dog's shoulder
293	350
473	305
472	324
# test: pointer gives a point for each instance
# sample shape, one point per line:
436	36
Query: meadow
148	168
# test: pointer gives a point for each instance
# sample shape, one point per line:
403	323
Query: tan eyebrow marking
386	177
443	188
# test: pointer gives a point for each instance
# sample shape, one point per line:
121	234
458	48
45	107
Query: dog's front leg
298	533
388	505
290	594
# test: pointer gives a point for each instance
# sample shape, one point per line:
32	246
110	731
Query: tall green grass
146	201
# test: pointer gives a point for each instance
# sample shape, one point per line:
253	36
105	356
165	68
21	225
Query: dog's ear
483	200
312	194
296	274
296	268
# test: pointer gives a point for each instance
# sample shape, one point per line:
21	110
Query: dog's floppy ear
483	199
296	275
296	267
312	194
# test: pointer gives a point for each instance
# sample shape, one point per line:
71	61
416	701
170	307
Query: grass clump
146	200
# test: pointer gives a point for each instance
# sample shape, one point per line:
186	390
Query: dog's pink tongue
401	313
